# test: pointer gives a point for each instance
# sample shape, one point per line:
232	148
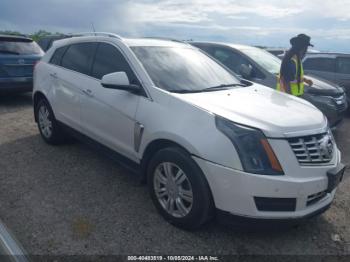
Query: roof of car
153	42
235	46
56	36
15	38
274	48
330	54
146	41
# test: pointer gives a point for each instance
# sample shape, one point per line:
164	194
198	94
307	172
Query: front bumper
331	109
236	192
258	223
16	85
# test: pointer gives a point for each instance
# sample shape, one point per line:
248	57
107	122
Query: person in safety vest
291	78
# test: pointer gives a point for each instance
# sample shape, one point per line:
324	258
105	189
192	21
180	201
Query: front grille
313	199
275	204
341	107
314	149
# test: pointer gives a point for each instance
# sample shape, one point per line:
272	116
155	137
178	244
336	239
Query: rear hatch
18	57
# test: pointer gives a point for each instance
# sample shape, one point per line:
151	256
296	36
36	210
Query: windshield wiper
220	87
9	52
184	91
208	89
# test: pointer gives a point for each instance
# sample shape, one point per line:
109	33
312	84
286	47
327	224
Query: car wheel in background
49	128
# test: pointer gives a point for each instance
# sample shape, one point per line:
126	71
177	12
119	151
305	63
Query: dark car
18	55
260	66
334	67
46	42
278	52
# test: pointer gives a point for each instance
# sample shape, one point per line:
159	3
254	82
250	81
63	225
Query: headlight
254	150
327	100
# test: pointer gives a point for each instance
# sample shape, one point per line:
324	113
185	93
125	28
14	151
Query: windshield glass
19	48
263	58
182	69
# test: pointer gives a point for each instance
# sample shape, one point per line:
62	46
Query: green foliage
8	32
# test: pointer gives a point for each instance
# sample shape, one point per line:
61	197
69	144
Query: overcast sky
256	22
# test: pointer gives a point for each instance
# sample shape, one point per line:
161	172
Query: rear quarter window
320	64
343	65
57	56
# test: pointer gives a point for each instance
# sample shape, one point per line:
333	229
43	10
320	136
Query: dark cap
301	40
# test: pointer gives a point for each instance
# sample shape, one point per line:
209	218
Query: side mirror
245	71
120	81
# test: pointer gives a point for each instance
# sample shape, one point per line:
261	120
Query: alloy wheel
173	189
45	123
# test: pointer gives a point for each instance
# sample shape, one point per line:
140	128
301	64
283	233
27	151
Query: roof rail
96	34
166	38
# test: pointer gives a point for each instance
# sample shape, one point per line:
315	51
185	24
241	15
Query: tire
173	199
48	126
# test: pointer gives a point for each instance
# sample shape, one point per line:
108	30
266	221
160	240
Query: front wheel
179	189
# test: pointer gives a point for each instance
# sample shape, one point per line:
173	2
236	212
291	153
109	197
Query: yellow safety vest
297	88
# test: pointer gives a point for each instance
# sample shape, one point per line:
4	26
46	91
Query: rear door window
343	65
57	56
110	60
320	64
79	57
12	46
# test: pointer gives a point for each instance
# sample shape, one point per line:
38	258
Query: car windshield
263	58
183	69
19	47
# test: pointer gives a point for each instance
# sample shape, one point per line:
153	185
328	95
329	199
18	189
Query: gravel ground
70	200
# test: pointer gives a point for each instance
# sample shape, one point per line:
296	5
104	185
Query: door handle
53	75
88	92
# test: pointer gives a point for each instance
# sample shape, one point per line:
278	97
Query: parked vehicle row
261	67
334	67
207	142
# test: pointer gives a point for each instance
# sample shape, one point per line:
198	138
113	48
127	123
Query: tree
36	36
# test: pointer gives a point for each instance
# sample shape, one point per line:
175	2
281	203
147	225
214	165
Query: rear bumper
16	85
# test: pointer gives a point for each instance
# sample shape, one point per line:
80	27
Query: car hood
323	87
275	113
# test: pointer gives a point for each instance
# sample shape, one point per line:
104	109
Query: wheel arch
152	148
36	98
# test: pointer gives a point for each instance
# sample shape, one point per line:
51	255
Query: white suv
206	142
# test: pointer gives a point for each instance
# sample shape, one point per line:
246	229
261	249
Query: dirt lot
71	200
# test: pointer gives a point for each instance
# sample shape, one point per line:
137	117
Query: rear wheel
49	128
179	189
